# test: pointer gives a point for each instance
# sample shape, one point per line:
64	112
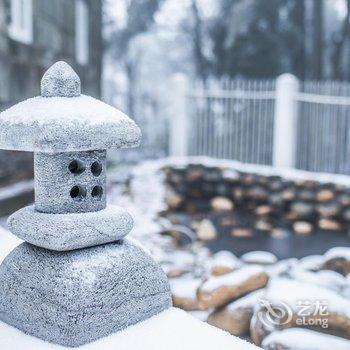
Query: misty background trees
149	40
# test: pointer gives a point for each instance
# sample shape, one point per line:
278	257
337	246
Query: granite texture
73	298
64	232
60	80
67	182
63	120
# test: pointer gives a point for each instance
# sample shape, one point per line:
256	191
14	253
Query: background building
33	35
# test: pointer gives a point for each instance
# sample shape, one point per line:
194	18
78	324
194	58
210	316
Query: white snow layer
172	329
324	278
225	258
259	257
231	279
311	262
83	109
293	292
185	287
303	339
248	301
338	252
8	241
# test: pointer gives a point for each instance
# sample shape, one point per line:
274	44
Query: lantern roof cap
64	120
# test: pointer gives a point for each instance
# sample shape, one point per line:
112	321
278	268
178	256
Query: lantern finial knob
60	80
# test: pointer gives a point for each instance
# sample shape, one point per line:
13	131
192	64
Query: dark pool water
286	245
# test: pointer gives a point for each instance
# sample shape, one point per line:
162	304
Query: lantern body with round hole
70	182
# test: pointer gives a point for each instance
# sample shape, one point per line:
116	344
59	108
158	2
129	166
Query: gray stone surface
60	80
62	124
64	232
70	182
72	298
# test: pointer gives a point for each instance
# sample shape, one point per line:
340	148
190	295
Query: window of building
81	32
21	25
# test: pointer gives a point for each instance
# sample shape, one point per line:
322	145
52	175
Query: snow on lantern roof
64	120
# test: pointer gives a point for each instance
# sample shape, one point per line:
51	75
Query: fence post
178	138
285	122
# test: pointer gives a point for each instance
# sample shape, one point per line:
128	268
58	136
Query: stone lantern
75	279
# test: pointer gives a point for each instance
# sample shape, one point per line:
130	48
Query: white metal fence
284	123
232	119
323	132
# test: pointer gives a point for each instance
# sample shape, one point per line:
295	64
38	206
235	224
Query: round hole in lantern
96	168
97	192
76	167
78	192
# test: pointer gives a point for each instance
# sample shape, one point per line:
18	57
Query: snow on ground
8	241
302	339
16	189
147	199
172	329
293	292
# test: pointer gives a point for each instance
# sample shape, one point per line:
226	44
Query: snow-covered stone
70	231
236	316
223	262
184	292
73	298
338	259
63	120
60	81
303	339
307	305
324	278
281	267
302	228
292	292
259	257
338	252
221	204
217	291
206	230
312	262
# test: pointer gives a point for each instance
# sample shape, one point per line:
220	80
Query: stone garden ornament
75	279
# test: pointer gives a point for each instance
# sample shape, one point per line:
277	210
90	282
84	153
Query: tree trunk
318	39
130	99
200	61
299	61
339	41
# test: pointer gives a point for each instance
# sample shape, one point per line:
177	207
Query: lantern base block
63	232
73	298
